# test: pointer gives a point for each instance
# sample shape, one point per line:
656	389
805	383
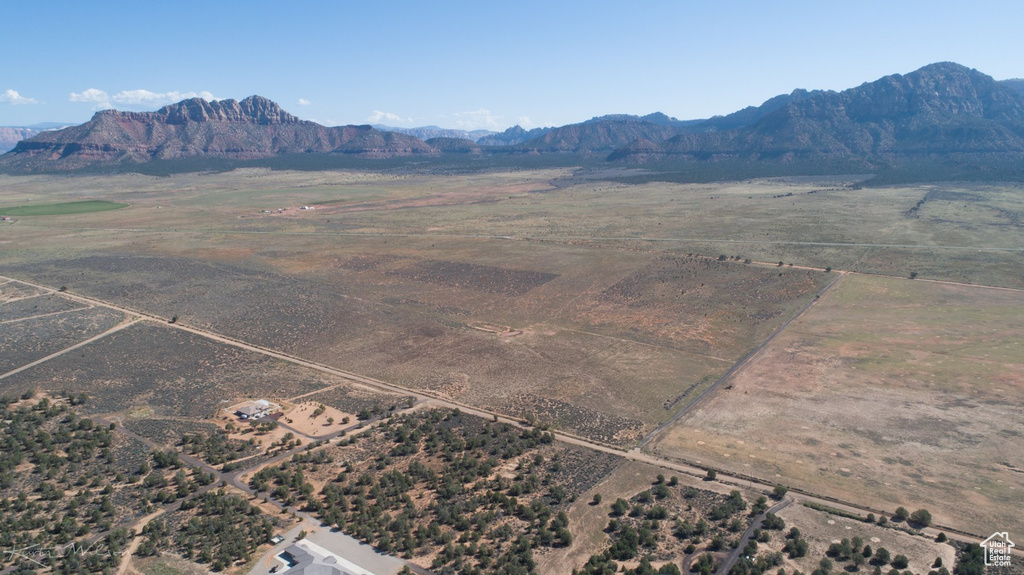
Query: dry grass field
32	338
33	306
598	306
151	372
889	392
167	564
303	418
603	341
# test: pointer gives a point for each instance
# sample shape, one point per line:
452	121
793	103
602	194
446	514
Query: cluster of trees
857	553
472	522
921	517
64	499
224	530
971	561
796	546
102	557
854	552
603	565
216	448
628	540
634	532
850	551
287	442
65	492
732	505
285	483
638	528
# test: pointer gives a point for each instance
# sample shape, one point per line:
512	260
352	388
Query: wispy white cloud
98	98
377	116
305	102
525	122
101	99
136	97
477	119
91	96
13	97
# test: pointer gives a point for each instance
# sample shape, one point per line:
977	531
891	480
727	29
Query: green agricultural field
63	208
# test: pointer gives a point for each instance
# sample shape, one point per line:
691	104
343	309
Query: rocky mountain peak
252	110
942	90
254	128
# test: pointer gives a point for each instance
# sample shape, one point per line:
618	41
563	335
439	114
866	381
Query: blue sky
478	64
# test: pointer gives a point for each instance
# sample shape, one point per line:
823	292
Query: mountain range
942	110
428	132
250	129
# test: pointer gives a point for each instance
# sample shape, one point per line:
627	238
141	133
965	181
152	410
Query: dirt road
423	396
124	323
726	565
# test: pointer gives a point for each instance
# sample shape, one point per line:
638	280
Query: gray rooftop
308	558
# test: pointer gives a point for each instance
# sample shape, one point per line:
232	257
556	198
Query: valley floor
596	309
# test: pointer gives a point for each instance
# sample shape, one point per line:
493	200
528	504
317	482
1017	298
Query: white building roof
311	559
249	410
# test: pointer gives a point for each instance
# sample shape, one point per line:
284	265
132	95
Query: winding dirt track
754	525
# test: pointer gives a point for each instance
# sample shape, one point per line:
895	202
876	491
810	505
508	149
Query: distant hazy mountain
512	136
654	118
454	145
602	134
10	136
42	126
428	132
940	109
253	128
599	135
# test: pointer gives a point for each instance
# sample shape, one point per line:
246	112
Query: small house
255	410
307	558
